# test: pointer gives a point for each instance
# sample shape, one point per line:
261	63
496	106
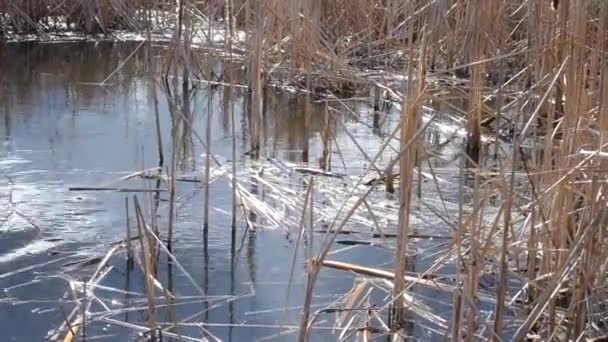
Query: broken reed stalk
378	273
85	188
234	168
79	321
172	170
174	61
73	322
311	226
503	267
161	154
172	257
458	294
128	225
473	267
147	262
325	159
84	311
300	234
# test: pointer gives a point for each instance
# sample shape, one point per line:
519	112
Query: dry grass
526	67
537	70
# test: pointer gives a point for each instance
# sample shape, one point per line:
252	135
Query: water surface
60	128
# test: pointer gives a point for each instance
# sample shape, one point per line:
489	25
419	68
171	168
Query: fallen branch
316	172
84	188
374	272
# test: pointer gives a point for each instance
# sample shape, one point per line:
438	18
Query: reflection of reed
229	115
7	116
186	144
174	121
306	121
66	70
326	138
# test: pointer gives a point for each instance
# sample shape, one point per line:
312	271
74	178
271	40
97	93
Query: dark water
59	129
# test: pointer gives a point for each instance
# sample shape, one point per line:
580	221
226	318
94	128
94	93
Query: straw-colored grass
537	70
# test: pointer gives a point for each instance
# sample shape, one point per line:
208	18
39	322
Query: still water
61	128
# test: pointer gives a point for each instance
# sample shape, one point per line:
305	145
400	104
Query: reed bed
529	166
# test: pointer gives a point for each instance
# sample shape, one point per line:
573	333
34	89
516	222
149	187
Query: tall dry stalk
255	77
208	153
413	89
148	263
478	27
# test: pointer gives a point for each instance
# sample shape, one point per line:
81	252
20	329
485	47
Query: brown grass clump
534	69
31	16
537	70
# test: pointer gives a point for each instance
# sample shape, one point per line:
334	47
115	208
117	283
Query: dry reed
536	70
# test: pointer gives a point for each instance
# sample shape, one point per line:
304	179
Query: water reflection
60	121
61	81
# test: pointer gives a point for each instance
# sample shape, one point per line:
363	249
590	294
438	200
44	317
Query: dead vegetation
535	70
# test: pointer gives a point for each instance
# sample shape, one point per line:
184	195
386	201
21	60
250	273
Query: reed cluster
534	79
98	16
